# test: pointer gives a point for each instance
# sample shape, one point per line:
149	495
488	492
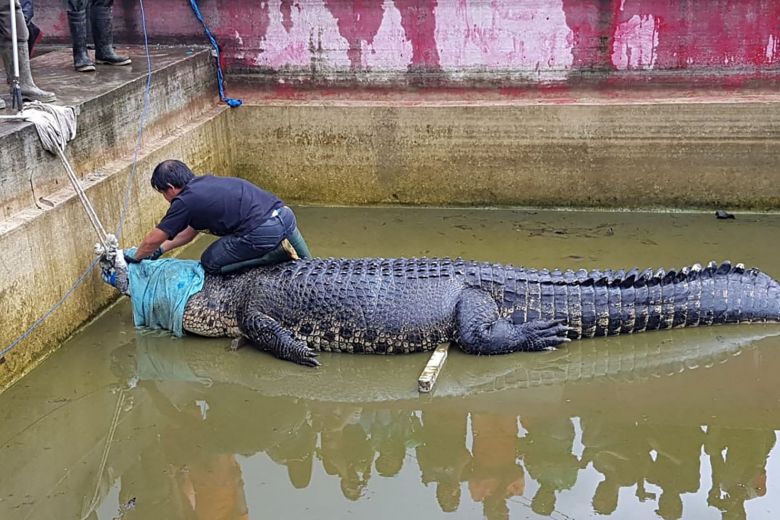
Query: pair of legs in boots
100	12
30	92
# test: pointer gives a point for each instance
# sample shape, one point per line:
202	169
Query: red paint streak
358	21
590	24
286	9
419	22
713	36
241	28
717	34
723	34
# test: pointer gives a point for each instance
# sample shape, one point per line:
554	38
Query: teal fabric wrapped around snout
160	289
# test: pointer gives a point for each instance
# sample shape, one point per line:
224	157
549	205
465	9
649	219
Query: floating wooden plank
431	371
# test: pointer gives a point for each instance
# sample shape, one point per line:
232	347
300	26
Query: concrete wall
44	250
110	105
467	40
638	155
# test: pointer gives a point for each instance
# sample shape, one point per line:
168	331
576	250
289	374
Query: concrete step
111	101
45	237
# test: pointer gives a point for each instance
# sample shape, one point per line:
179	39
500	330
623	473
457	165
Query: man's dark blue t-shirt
219	205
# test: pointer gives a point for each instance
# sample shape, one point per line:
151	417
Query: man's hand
131	259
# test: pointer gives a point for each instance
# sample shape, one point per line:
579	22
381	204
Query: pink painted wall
527	40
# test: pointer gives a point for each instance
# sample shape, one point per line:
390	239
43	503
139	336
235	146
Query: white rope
56	125
93	218
104	458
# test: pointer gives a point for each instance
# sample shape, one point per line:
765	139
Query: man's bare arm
151	242
184	237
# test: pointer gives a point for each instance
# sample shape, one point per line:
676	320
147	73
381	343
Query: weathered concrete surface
44	251
655	148
111	102
529	41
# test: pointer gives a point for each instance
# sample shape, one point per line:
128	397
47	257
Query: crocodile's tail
602	303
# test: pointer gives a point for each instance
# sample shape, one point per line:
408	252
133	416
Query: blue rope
91	267
48	313
233	103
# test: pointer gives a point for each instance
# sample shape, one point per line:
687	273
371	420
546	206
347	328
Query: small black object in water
720	214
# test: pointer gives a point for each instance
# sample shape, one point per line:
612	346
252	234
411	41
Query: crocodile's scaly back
361	305
601	303
409	305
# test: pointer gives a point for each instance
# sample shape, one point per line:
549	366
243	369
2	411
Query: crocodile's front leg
268	334
481	330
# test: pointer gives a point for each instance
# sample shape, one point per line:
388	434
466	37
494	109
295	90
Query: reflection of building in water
738	459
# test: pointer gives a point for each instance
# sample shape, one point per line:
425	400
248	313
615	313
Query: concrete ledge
620	149
111	102
44	251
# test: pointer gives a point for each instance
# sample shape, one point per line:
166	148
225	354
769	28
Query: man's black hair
171	172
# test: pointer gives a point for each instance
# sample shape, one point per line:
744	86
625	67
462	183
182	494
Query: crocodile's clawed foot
305	356
546	335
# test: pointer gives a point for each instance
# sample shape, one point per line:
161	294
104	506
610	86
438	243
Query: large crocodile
389	306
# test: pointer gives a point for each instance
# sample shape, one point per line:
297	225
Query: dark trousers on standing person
34	31
28	10
101	17
256	247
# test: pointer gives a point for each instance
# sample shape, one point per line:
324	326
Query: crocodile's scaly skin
409	305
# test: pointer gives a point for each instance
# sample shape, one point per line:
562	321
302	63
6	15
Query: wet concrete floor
130	424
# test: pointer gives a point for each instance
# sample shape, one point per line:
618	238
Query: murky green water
136	425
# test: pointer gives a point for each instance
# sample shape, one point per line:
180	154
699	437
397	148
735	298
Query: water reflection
191	415
206	421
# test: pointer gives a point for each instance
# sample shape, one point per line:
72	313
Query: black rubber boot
103	34
78	34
